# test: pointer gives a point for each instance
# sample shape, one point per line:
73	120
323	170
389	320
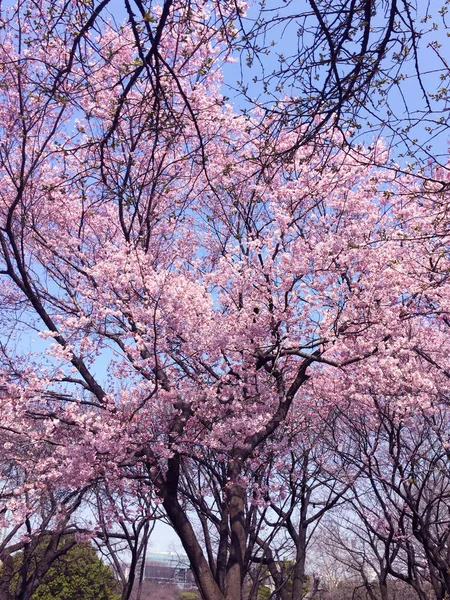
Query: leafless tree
126	524
396	523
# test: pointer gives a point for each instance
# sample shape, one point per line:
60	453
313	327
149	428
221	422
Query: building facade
169	568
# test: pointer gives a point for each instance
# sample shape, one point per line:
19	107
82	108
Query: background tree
41	538
126	523
299	488
76	574
393	521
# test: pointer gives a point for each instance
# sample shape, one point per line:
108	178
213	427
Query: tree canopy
77	574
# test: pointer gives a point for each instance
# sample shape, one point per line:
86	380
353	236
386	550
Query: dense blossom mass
169	292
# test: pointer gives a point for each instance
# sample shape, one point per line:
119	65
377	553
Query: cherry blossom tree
187	296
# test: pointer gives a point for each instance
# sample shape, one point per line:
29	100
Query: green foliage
77	575
263	593
188	596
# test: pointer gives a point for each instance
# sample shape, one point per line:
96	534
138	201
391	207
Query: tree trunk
236	497
6	575
298	582
199	565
